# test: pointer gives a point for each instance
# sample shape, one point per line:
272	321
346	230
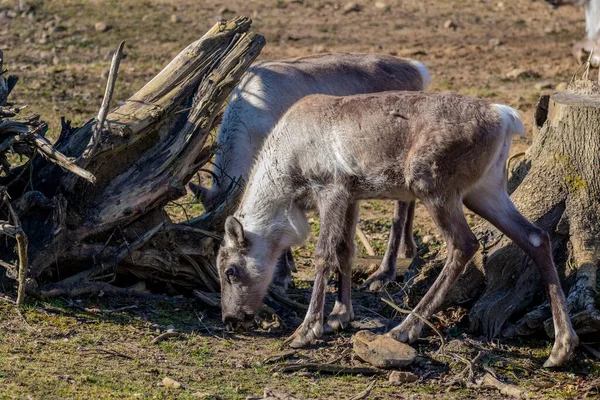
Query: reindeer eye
229	272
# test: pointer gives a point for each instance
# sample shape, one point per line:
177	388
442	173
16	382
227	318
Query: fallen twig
107	352
210	300
365	393
164	336
329	369
591	350
280	356
365	241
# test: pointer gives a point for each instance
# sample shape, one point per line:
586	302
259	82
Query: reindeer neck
268	208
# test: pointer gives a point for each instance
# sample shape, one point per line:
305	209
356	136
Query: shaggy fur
444	149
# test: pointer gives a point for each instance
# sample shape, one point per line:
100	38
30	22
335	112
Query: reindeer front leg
331	254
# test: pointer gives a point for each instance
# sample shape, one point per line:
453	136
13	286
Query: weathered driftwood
557	186
84	236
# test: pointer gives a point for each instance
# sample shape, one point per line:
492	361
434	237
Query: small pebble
449	24
382	6
494	42
352	7
400	377
543	85
171	383
175	18
100	27
427	239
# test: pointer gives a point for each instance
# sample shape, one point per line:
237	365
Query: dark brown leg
333	210
283	269
401	242
501	212
342	312
462	245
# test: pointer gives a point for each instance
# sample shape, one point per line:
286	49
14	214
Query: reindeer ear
234	233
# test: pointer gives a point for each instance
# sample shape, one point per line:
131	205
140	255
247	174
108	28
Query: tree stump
111	230
556	186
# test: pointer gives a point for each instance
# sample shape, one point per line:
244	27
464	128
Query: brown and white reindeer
269	89
332	152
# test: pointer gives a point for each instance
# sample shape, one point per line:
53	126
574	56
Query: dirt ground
102	347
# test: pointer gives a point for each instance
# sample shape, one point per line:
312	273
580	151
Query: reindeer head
245	269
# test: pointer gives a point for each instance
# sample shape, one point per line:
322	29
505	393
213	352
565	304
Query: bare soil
82	348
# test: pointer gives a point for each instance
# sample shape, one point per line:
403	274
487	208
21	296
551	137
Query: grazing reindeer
269	89
331	152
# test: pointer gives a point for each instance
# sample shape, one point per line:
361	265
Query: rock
449	24
382	351
352	7
175	18
400	377
561	86
319	48
101	27
427	239
170	328
494	42
543	85
380	5
146	17
519	73
55	60
171	383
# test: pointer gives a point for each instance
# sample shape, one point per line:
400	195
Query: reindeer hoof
582	49
562	351
307	333
377	280
407	250
339	319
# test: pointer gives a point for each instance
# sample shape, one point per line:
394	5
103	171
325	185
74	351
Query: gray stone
561	86
101	27
401	377
382	351
352	7
543	85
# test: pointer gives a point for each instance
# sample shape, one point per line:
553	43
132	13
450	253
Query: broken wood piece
591	350
104	107
329	369
507	389
49	152
272	394
280	356
365	393
210	299
166	335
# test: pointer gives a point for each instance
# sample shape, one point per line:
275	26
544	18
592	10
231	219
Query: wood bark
110	228
556	185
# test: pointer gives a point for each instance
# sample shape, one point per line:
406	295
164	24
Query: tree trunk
83	236
556	186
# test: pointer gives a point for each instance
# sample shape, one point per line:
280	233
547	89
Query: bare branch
103	112
57	157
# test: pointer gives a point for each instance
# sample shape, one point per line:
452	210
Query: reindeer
332	152
582	48
269	89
